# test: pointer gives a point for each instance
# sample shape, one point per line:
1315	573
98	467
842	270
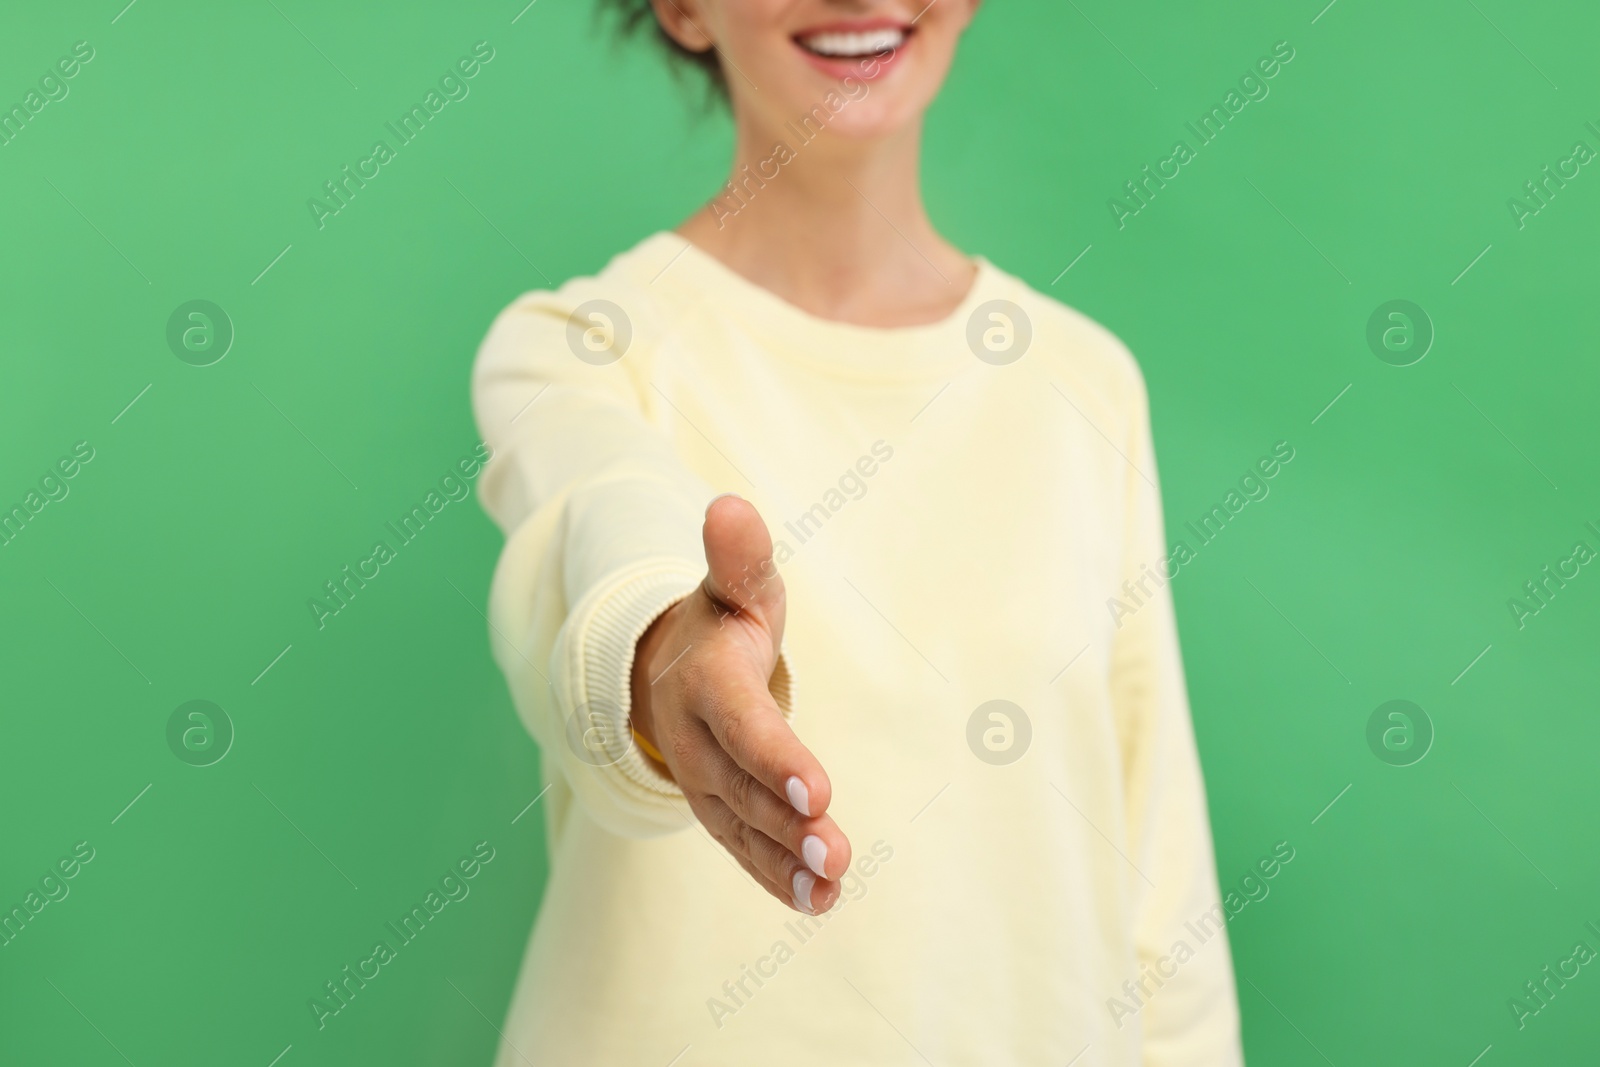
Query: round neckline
919	350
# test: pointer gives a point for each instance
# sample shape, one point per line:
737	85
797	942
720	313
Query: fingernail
803	881
815	853
718	497
799	795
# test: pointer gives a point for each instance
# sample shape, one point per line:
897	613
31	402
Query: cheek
752	33
921	69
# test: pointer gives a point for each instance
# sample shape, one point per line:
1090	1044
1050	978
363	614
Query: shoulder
1080	355
597	317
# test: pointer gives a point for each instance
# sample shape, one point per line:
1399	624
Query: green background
377	751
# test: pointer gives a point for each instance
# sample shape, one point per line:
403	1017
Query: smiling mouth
858	44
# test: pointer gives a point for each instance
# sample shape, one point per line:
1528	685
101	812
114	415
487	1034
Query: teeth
851	45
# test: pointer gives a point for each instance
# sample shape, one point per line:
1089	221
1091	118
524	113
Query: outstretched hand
700	698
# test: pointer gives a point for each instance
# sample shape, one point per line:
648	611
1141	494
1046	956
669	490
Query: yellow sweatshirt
953	506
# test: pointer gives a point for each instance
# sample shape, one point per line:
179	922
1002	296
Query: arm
602	526
642	615
1193	1018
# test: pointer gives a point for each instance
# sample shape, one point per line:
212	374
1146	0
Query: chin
870	120
852	109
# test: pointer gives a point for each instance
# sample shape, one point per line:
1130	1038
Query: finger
748	725
782	896
705	769
818	842
730	845
741	575
807	892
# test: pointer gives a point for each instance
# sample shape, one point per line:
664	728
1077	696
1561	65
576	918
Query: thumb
741	575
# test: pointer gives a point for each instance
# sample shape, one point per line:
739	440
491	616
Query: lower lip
862	68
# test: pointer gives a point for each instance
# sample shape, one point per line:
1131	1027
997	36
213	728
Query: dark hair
632	15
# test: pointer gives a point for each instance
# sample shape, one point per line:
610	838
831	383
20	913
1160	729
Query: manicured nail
799	795
815	853
718	497
803	881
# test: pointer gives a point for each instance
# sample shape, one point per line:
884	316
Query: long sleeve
602	524
1190	1012
991	533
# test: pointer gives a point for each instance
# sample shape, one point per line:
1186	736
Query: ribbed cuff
606	634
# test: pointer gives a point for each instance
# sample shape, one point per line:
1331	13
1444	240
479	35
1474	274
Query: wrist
641	715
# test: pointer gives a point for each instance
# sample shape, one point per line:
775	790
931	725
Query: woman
812	523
